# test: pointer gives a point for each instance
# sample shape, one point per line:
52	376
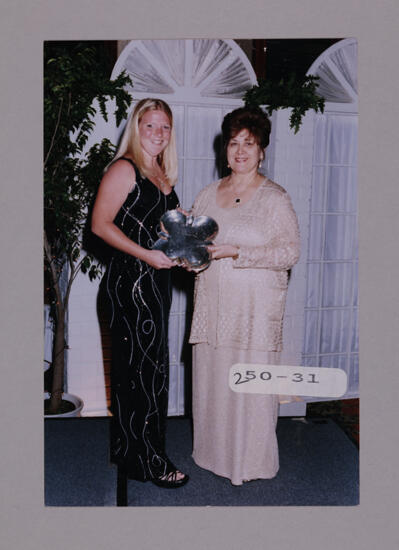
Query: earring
228	165
260	163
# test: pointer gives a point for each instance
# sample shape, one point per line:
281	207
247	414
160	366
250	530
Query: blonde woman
137	188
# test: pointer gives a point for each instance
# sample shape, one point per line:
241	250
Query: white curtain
331	333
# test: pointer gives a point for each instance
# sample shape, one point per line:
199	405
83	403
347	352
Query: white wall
85	362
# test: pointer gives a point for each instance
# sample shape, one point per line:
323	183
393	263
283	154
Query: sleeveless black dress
140	299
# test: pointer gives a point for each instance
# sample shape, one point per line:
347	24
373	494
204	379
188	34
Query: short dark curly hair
252	119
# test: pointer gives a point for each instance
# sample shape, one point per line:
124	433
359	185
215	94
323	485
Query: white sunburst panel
212	69
206	57
337	71
169	57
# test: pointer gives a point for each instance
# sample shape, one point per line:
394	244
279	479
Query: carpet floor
318	467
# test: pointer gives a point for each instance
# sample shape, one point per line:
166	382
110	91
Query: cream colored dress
238	318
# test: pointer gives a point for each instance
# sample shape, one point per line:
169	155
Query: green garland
289	92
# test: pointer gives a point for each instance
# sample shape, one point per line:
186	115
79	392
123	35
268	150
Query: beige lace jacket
240	303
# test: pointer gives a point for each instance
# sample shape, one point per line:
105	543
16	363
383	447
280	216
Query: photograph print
244	153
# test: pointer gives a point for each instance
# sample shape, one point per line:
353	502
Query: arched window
186	70
331	312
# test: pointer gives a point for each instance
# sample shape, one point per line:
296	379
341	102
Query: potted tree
75	75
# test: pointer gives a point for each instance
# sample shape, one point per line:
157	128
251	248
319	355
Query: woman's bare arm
117	182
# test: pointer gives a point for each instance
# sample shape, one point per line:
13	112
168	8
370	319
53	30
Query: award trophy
185	238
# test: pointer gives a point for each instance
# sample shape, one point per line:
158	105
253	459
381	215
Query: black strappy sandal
170	481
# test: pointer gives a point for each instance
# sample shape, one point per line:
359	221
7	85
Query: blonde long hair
130	142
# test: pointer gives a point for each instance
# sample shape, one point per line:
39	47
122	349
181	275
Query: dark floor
344	412
318	466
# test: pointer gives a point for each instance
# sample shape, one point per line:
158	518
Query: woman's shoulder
204	197
123	163
272	195
207	190
122	170
273	187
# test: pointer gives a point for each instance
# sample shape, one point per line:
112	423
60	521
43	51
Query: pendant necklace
237	200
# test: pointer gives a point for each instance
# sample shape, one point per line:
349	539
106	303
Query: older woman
136	190
239	305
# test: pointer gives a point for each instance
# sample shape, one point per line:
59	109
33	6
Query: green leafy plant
297	93
74	76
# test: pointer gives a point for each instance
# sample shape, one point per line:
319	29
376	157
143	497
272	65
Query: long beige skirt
234	433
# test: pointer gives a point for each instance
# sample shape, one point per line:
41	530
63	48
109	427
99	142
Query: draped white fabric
346	61
144	75
331	333
207	56
338	73
171	53
229	83
330	87
203	68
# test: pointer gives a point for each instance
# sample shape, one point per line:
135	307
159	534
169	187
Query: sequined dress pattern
140	299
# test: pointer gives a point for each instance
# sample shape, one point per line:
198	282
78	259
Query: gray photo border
25	521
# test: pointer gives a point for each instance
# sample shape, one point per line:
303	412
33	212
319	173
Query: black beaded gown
140	299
